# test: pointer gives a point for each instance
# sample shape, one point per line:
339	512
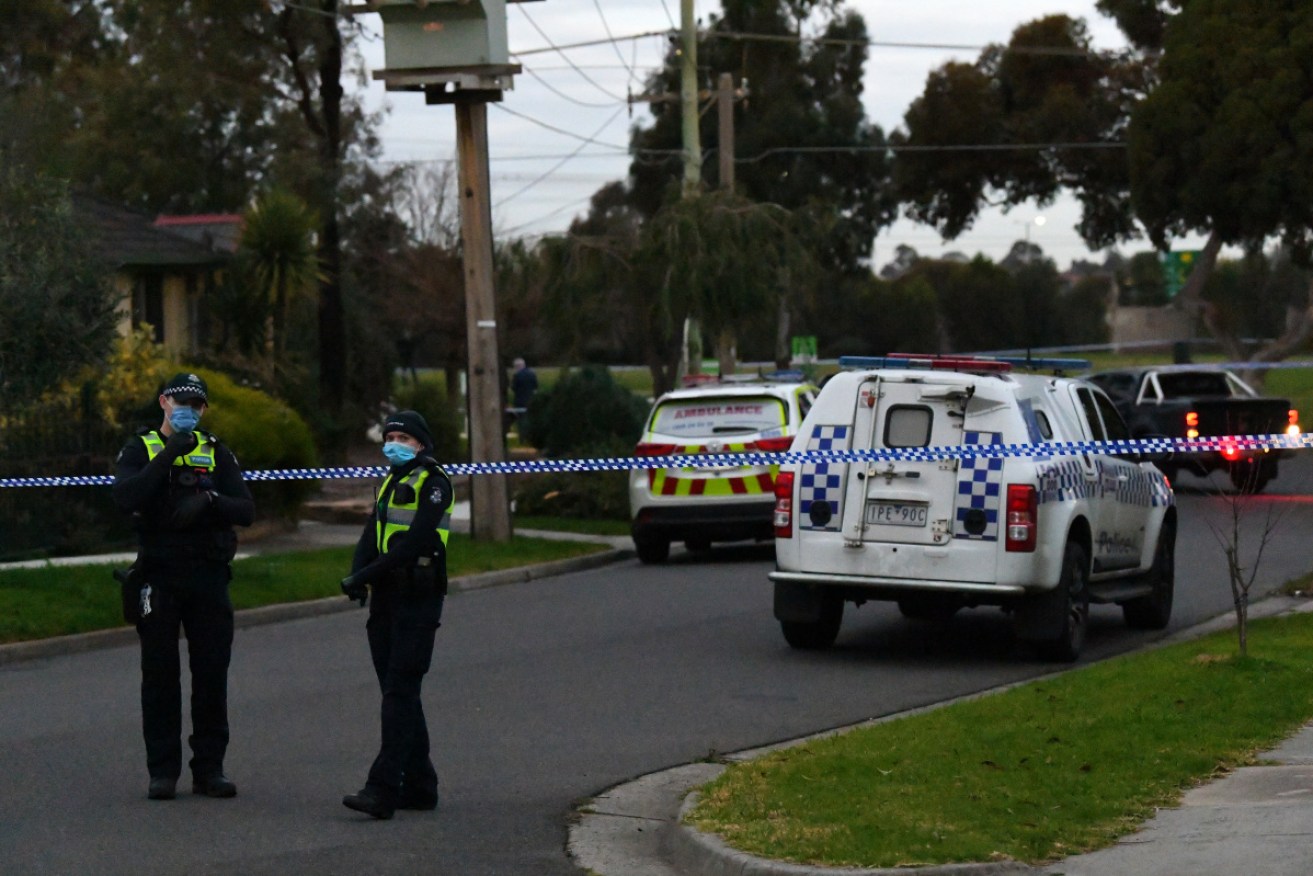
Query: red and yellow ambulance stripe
699	482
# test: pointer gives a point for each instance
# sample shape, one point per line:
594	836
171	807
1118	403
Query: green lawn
1036	773
56	601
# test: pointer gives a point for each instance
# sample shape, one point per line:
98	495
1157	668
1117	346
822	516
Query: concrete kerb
269	614
604	830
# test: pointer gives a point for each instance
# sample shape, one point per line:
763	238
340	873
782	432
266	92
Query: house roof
131	239
219	231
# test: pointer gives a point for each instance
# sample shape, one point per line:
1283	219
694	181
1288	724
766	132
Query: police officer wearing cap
402	558
185	492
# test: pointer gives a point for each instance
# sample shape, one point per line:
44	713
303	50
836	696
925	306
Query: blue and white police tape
1048	449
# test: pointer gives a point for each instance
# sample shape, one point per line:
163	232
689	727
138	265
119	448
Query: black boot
371	801
162	788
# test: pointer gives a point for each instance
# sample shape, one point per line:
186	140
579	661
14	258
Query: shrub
597	495
262	432
585	413
429	397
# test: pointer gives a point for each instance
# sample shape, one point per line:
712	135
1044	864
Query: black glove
187	509
354	589
179	443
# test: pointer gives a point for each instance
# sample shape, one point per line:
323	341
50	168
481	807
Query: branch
305	100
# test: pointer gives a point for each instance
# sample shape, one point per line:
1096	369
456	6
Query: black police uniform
185	494
408	578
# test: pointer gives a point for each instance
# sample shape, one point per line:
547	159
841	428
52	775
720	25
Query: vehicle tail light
1230	452
775	445
655	449
1022	517
784	505
1292	417
1192	425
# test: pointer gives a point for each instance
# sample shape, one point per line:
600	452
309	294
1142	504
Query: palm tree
278	238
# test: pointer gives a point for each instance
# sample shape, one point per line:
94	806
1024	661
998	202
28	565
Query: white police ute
1040	533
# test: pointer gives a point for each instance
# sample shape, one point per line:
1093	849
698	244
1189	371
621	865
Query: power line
561	94
836	41
558	164
555	129
552	47
962	147
541	33
615	45
558	210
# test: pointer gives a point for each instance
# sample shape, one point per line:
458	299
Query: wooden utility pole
688	98
725	120
490	517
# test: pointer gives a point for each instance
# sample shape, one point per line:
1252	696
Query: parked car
1202	402
711	503
1040	534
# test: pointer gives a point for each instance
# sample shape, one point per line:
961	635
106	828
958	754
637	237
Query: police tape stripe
1302	441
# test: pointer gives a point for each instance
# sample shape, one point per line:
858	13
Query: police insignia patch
435	497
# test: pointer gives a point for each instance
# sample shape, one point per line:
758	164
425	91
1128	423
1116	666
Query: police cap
185	387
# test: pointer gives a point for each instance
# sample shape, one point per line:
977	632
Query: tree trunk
332	321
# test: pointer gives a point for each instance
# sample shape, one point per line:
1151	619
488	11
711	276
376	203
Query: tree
1224	146
804	93
1047	104
56	301
724	261
278	242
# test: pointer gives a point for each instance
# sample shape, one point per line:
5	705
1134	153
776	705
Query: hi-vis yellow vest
201	456
398	516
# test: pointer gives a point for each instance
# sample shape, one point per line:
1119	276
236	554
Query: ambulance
708	503
1040	532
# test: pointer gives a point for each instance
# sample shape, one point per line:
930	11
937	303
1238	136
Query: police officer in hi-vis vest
402	558
185	492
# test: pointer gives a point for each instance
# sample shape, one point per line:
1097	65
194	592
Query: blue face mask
184	419
398	453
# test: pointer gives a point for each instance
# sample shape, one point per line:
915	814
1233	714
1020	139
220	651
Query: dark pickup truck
1199	402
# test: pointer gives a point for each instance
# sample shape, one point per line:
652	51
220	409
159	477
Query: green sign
804	348
1176	269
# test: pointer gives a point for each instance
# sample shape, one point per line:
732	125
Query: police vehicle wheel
652	548
1153	612
1074	594
819	634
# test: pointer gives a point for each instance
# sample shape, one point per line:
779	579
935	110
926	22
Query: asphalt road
542	694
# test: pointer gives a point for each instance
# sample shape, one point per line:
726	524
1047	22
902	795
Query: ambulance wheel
1153	612
652	548
819	634
1072	598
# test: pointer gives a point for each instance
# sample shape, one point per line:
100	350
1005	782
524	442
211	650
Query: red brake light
784	505
1022	527
654	449
1230	452
775	445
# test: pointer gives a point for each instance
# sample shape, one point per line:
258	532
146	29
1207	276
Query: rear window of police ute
908	426
713	417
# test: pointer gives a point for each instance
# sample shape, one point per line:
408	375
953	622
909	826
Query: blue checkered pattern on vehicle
822	481
979	483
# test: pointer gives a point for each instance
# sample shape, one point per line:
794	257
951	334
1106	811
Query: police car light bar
963	363
908	360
